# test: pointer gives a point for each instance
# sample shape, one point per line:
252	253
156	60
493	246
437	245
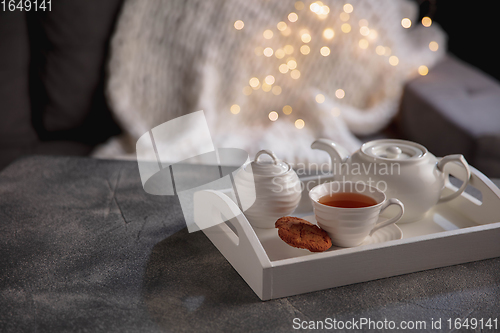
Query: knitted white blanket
170	58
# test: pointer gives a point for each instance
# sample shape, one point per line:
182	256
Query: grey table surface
84	249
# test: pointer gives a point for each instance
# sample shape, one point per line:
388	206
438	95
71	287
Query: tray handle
213	205
244	250
480	212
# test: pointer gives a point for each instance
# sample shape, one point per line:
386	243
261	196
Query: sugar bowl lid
400	150
273	167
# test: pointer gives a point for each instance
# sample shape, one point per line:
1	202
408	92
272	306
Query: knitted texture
170	58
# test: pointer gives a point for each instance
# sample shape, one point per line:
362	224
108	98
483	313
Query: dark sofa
52	67
52	75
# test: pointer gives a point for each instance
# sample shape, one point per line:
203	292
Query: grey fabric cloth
455	109
84	249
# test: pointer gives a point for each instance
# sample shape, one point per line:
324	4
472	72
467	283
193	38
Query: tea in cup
349	212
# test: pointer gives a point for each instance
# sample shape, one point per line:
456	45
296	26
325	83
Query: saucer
385	234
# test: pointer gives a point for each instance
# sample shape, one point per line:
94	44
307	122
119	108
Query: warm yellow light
266	87
273	115
306	38
348	8
247	90
423	70
373	34
287	109
293	17
363	43
346	27
393	60
295	74
235	109
288	49
299	123
406	23
238	25
339	93
328	33
363	23
433	46
305	49
426	21
320	98
254	82
268	34
315	7
325	51
299	5
380	50
276	90
344	16
269	80
268	52
281	26
286	32
364	30
280	53
292	64
283	68
335	112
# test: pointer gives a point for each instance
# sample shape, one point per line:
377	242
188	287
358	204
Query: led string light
290	65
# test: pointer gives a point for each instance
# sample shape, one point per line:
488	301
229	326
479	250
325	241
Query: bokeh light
299	123
293	17
268	34
268	52
406	23
423	70
348	8
273	115
238	25
340	93
328	33
393	60
426	21
433	46
325	51
235	109
295	74
346	27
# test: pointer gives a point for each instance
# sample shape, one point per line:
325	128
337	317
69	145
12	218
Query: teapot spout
338	154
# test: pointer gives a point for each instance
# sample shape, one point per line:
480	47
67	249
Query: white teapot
277	190
402	169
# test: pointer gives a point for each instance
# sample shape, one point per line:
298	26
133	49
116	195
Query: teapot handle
268	152
455	158
338	154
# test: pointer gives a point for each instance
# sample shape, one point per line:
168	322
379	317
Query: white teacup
348	227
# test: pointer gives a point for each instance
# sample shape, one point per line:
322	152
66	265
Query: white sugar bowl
277	190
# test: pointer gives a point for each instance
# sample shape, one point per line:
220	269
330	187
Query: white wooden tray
462	230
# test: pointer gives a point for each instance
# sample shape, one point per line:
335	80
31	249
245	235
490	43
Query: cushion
69	47
455	109
16	133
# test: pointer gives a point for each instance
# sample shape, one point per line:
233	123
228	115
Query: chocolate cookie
300	233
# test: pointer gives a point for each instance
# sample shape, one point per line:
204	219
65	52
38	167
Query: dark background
472	28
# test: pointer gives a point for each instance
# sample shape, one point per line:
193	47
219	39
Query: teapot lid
274	167
394	150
